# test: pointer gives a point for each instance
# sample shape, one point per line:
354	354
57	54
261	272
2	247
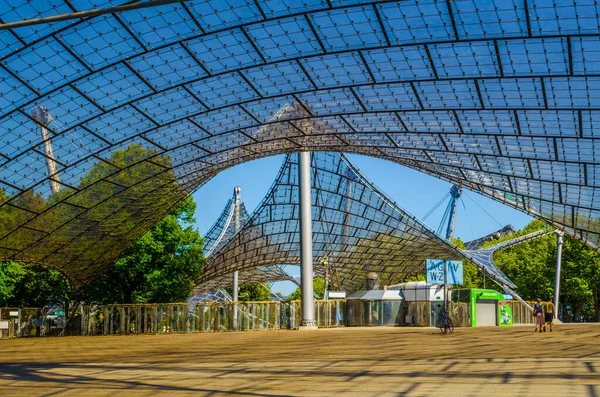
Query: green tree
318	289
532	267
255	292
20	211
36	286
580	275
472	274
11	274
160	267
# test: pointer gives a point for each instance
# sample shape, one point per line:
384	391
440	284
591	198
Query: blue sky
414	191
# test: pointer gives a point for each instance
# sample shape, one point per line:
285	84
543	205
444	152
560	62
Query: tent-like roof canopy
144	106
227	224
355	225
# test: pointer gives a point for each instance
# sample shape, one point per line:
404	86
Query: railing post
121	319
106	325
559	244
155	319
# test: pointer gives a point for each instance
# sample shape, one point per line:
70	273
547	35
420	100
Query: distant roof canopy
355	226
498	96
228	223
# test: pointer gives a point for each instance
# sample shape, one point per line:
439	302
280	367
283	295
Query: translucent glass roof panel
146	105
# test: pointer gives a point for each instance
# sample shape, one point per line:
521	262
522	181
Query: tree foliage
11	275
532	267
160	267
318	289
31	285
254	293
89	223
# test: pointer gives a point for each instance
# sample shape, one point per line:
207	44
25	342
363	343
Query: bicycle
446	325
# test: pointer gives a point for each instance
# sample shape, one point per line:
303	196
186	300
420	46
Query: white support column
235	276
234	280
306	254
559	243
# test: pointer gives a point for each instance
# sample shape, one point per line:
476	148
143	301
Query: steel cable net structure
355	225
225	226
233	217
107	122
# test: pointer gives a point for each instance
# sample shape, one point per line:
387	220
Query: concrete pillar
559	243
234	297
306	254
235	276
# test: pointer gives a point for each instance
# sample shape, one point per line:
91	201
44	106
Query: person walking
550	311
538	314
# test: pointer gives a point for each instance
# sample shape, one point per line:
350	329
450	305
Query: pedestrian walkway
350	361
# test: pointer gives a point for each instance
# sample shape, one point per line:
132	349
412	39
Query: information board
435	271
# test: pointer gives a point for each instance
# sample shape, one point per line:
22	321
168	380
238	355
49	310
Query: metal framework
224	228
277	219
496	96
484	257
217	295
355	225
220	233
478	242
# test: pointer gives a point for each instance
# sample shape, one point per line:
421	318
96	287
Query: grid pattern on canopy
498	96
356	226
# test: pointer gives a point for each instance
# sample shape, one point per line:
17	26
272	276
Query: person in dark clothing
538	313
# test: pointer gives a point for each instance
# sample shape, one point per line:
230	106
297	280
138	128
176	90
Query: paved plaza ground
350	361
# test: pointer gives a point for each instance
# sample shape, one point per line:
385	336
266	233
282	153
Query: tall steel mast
43	117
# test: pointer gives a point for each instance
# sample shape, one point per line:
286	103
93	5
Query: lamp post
559	244
325	263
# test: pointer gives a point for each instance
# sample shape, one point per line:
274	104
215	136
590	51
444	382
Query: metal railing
24	321
218	317
204	317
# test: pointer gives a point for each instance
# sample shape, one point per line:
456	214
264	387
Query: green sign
487	295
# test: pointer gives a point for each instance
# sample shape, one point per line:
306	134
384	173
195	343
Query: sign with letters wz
435	271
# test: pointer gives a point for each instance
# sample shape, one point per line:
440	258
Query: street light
325	262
